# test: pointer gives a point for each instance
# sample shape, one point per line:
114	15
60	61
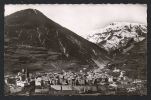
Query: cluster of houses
71	80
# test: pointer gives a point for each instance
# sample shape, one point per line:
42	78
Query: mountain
127	45
118	36
137	60
134	61
33	40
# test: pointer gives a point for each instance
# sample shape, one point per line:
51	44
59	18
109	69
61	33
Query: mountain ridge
118	34
127	44
30	28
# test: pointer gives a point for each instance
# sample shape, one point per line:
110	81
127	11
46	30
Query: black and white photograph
75	49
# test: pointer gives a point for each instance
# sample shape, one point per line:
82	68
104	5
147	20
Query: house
38	81
21	83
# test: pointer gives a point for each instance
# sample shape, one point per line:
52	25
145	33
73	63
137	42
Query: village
95	82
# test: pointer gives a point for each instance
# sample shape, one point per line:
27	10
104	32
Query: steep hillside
134	61
28	30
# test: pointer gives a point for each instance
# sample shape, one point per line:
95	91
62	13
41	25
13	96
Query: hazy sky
84	18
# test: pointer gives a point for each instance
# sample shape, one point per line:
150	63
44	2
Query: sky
85	18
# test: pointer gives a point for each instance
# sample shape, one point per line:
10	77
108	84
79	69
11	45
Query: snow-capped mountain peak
118	34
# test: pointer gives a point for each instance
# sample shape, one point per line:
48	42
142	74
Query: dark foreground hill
133	61
32	40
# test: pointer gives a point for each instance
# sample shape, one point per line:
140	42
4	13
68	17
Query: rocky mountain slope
127	45
118	35
33	40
